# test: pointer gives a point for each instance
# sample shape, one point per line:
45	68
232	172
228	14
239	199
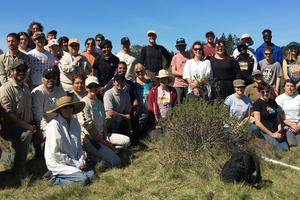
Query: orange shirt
90	57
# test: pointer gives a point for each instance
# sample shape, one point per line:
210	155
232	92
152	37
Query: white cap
91	79
53	42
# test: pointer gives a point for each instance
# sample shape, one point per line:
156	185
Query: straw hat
163	74
66	101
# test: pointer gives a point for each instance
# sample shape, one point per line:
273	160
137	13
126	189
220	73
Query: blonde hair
289	59
139	67
298	60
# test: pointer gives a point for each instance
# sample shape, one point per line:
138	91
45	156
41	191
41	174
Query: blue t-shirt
142	94
238	107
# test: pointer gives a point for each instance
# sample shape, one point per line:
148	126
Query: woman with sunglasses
63	150
196	68
291	64
267	118
99	144
143	86
289	103
225	69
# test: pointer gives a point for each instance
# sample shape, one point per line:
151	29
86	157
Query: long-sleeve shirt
151	57
43	101
63	150
69	67
277	54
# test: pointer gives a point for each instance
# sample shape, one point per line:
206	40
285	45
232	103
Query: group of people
89	105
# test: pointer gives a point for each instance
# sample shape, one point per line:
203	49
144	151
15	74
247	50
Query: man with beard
151	55
41	59
12	57
277	54
44	98
16	100
209	48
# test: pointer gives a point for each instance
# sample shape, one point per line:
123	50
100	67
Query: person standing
277	54
24	42
271	70
99	38
130	58
41	59
209	48
50	36
16	100
12	57
151	55
177	64
72	63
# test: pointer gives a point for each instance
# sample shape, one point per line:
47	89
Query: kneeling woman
98	144
267	118
63	150
160	100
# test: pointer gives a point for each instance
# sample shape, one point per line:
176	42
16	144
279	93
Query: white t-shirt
40	61
290	106
163	101
130	59
195	70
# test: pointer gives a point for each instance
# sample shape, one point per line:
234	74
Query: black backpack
240	167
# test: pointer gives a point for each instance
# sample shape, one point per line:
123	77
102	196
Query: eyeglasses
91	86
68	107
137	72
197	49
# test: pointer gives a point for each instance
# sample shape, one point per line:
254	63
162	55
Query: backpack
240	167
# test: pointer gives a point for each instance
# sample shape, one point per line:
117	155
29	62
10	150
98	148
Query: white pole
280	163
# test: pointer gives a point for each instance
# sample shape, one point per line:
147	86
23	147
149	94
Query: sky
171	19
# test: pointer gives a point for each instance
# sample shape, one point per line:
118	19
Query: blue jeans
282	145
83	177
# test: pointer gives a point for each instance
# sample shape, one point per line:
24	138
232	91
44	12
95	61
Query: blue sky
171	19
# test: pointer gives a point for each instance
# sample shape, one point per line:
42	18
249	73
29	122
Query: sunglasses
74	45
98	40
137	72
89	44
268	54
197	49
265	92
151	35
91	86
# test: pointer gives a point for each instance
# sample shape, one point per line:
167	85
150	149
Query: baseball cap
38	34
52	32
124	39
293	44
48	71
180	41
209	32
256	72
151	31
73	40
238	83
18	63
53	42
91	79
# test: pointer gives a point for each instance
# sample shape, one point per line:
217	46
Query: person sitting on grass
289	102
240	106
98	144
160	100
63	150
267	118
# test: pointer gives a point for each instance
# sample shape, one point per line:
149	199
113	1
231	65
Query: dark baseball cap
48	71
180	41
118	77
124	40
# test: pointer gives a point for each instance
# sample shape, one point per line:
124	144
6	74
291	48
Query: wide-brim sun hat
163	74
246	35
67	101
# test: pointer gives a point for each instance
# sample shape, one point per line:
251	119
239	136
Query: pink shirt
178	62
208	51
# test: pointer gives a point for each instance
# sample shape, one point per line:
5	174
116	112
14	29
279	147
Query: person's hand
131	132
44	135
276	92
82	165
196	92
101	90
193	84
32	128
294	127
78	58
126	116
157	127
277	135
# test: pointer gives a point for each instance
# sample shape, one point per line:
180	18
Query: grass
147	177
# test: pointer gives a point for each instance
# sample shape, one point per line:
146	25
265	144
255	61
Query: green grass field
145	176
